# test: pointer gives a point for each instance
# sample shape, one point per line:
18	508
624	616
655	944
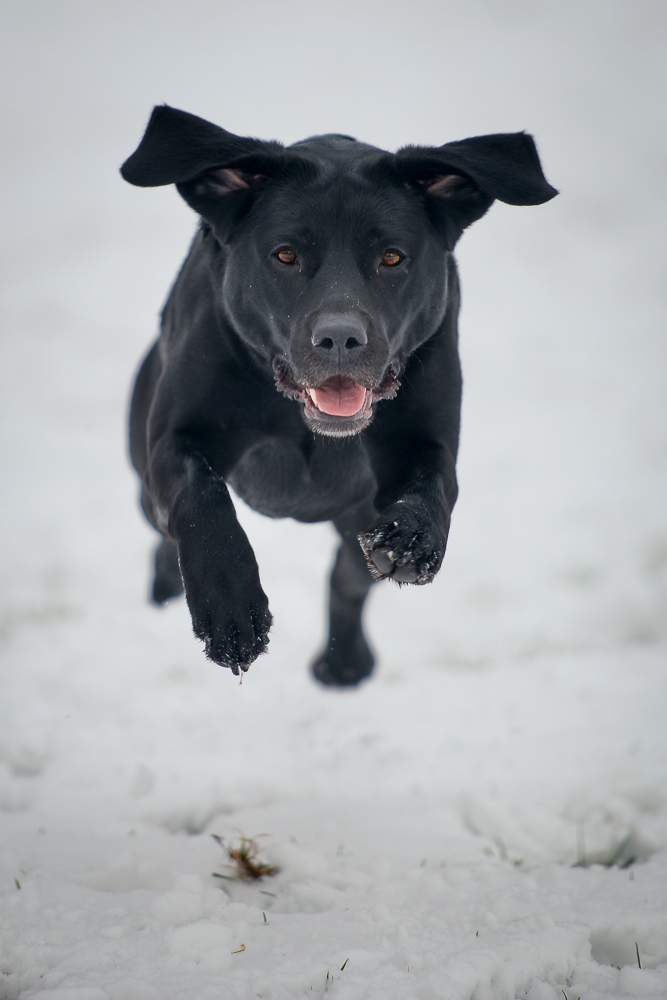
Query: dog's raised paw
404	549
234	642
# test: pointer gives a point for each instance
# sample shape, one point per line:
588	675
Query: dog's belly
276	478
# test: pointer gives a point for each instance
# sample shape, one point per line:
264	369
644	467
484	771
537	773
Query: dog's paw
231	617
344	664
403	546
234	633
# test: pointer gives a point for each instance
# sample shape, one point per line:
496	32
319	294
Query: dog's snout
339	333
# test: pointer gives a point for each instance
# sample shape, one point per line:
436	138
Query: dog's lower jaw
340	431
337	427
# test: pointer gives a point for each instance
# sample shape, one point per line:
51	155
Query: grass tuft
616	859
244	862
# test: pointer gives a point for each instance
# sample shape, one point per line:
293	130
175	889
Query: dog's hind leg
347	658
167	582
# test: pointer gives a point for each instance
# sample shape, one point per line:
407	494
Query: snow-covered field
427	826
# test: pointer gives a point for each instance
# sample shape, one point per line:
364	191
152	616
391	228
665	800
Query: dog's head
331	255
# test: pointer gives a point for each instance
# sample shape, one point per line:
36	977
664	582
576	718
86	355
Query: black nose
339	333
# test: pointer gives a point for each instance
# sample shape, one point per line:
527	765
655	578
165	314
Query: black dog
308	358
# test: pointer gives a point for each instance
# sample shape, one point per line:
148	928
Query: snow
428	825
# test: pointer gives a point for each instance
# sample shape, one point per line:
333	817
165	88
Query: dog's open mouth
338	406
339	396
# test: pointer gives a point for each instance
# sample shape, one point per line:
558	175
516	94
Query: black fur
223	397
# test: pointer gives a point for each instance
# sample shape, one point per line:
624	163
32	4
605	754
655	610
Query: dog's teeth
312	396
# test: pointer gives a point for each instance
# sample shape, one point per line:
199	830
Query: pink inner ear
235	180
229	180
225	180
446	185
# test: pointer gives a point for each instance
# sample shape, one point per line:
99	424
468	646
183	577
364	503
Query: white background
517	713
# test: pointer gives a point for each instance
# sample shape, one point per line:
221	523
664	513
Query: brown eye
391	258
287	255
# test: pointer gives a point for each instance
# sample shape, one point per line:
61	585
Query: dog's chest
277	478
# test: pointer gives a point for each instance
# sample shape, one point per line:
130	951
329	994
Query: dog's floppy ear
461	180
215	171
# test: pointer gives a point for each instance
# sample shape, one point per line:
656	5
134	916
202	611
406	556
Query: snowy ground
426	825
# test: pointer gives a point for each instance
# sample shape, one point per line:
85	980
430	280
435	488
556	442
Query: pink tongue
339	396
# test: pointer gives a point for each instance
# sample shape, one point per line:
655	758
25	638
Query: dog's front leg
230	611
407	542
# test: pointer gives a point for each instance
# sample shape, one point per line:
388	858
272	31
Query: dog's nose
342	334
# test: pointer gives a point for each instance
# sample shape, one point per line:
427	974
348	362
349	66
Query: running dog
308	359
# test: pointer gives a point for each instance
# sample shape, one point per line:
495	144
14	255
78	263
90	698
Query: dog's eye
287	255
391	258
